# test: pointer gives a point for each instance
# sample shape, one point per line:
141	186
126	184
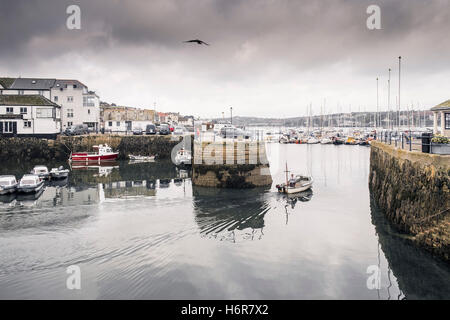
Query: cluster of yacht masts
390	118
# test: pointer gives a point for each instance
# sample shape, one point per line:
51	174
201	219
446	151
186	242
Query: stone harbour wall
238	164
25	149
412	189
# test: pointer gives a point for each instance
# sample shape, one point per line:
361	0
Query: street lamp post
389	99
377	122
398	110
231	114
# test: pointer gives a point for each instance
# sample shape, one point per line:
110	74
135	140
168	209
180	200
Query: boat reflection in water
104	169
407	264
229	214
291	199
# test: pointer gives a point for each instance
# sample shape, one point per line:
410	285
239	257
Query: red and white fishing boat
105	153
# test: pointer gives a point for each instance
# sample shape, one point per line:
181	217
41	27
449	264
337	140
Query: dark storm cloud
250	38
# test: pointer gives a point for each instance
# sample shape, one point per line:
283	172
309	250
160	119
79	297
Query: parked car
137	131
77	130
164	129
229	132
179	131
150	129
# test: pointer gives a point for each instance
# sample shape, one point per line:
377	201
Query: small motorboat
326	141
41	171
59	173
337	140
350	141
30	183
105	153
141	158
312	140
8	184
183	158
297	183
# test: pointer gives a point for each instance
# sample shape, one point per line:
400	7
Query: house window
55	98
21	92
69	99
8	127
41	92
44	113
89	101
110	123
69	113
118	123
447	121
69	124
89	111
27	124
9	110
23	110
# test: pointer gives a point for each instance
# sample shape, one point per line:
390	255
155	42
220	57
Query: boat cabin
30	180
6	181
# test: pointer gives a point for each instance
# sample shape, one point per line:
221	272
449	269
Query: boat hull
84	157
31	189
291	190
8	190
59	175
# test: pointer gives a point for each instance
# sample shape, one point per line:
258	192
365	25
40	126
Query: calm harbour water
136	233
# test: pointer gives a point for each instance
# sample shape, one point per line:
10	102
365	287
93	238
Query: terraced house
78	104
29	116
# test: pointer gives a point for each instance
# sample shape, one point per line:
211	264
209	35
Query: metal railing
406	141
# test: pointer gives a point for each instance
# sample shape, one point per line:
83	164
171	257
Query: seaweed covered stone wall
26	149
412	189
232	176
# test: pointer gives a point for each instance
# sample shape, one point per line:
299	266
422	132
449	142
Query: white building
29	116
79	105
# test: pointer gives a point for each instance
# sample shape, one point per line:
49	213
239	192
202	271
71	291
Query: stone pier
230	164
412	189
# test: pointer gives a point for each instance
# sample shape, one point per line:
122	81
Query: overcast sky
266	58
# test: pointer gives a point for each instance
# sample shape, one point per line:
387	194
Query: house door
128	125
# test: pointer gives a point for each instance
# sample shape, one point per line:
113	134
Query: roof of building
32	84
65	82
25	100
6	82
442	106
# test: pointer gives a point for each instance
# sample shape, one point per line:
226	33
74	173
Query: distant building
443	111
121	119
187	121
78	104
29	116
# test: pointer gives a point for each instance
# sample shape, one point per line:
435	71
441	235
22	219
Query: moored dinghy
41	171
8	184
183	158
59	173
30	183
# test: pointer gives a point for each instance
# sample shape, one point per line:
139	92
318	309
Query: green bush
440	139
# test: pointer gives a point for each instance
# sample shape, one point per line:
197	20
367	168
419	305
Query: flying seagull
196	41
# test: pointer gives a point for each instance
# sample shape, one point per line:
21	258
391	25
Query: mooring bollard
410	141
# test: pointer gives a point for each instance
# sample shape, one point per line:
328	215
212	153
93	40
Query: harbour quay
412	189
27	149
